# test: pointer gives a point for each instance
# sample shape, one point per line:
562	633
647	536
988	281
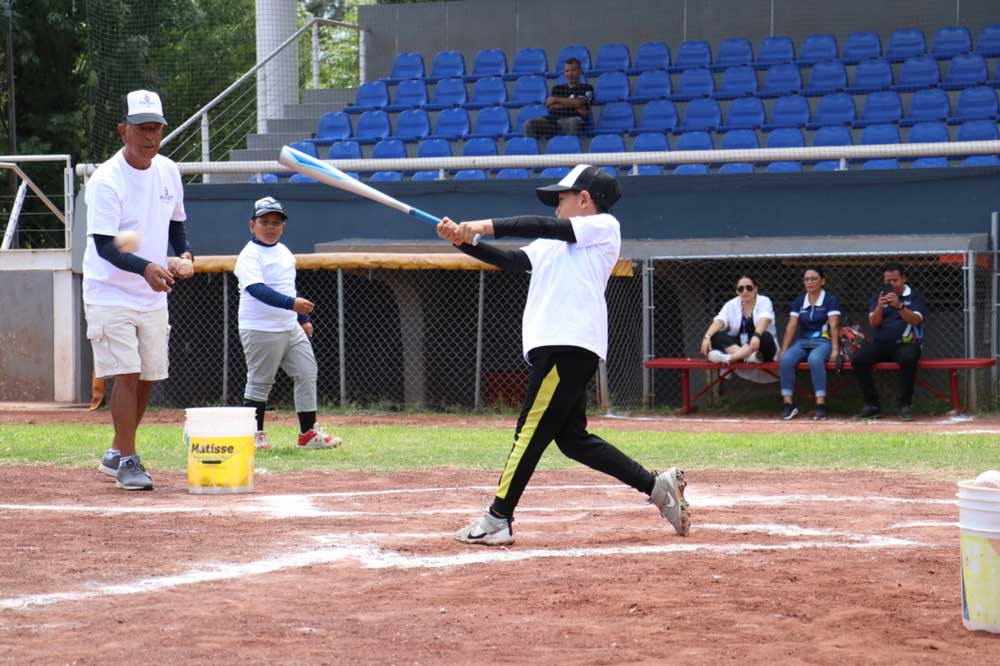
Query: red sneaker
317	439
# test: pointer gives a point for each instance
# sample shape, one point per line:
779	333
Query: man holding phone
896	315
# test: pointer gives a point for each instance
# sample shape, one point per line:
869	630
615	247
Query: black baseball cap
268	205
602	186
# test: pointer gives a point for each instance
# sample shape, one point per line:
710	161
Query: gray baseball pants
266	351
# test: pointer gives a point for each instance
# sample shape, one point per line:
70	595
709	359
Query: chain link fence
450	339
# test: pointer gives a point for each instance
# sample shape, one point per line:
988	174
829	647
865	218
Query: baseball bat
325	173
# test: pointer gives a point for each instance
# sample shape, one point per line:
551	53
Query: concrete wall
26	346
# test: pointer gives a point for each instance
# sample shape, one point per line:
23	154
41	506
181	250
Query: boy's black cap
268	205
602	186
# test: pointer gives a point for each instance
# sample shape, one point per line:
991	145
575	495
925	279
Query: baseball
127	241
182	268
989	479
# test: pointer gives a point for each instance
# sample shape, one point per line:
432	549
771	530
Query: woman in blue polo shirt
811	334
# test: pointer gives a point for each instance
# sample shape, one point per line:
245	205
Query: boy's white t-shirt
274	266
566	304
122	198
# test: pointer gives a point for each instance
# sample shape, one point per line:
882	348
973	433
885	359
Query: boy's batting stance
565	335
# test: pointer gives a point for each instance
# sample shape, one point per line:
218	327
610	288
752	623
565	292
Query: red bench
686	365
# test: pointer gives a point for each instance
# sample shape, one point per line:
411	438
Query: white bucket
220	445
979	524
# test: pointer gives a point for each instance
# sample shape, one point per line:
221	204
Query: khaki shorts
127	341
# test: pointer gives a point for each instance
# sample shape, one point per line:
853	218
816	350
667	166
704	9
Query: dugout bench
686	365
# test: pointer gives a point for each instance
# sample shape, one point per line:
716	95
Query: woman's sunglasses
744	287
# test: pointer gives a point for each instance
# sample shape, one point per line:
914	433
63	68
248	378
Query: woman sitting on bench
744	328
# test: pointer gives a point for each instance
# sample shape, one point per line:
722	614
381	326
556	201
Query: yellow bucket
979	524
220	446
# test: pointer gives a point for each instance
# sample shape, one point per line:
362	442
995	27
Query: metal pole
994	294
315	55
647	331
206	147
15	213
225	337
479	343
11	115
362	60
340	337
970	324
603	392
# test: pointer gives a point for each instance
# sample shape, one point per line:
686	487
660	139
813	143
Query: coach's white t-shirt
566	304
273	265
122	198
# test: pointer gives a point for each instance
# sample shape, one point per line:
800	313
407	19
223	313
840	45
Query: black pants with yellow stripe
555	407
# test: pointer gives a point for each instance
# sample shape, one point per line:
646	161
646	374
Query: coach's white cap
143	106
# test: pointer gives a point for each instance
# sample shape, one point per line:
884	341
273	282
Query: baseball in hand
127	241
180	267
989	479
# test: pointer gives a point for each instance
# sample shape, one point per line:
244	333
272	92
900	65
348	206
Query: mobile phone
887	288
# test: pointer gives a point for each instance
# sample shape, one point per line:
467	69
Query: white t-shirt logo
166	197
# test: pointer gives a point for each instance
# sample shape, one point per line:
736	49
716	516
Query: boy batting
564	337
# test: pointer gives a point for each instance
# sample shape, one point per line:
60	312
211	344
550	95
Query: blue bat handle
426	217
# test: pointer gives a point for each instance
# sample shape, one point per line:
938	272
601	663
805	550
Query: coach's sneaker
668	496
869	412
110	462
132	475
260	441
716	356
789	412
487	530
820	413
317	439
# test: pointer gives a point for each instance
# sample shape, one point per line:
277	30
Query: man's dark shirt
565	90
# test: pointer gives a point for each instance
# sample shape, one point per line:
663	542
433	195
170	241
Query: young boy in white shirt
275	326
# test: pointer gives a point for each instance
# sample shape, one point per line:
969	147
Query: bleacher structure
913	89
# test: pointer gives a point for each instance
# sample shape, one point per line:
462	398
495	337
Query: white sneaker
668	497
487	530
715	356
260	441
317	439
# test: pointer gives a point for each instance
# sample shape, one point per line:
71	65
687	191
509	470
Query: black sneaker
109	463
820	413
869	412
790	412
132	476
905	413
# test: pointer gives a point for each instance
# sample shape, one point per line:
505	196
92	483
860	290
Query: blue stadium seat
524	115
446	65
786	137
650	55
781	79
871	76
951	41
651	84
528	62
481	147
739	139
788	111
905	43
513	174
651	142
835	109
736	167
611	58
373	126
611	87
872	165
410	94
527	90
977	130
964	71
301	178
981	160
386	177
917	73
492	122
608	143
658	116
649	170
264	178
344	150
880	107
371	96
434	148
694	141
861	46
930	163
778	50
488	62
827	165
578	51
691	170
988	43
744	113
554	172
825	78
694	53
930	132
452	124
879	134
832	135
425	175
927	105
694	83
701	114
562	144
406	66
448	93
784	167
488	91
412	125
305	147
389	149
733	52
737	82
611	171
817	48
521	145
469	174
615	118
975	104
333	126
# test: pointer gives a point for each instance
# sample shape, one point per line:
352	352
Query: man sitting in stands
568	105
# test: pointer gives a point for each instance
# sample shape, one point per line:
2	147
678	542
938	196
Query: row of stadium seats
882	107
872	75
946	43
